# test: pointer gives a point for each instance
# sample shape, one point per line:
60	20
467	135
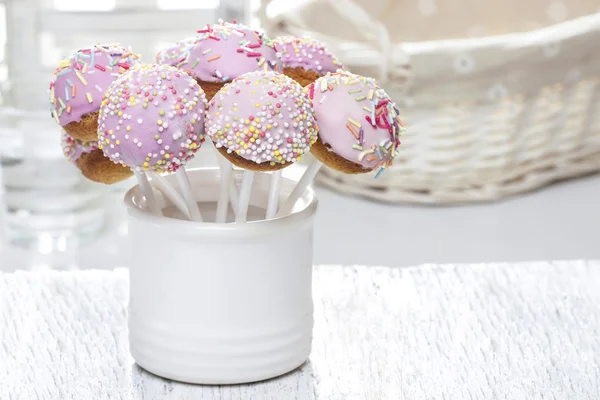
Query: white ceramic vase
221	303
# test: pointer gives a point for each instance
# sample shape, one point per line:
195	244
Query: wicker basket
487	117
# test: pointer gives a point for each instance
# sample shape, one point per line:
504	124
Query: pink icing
225	51
75	148
356	119
152	118
307	53
80	81
262	116
174	54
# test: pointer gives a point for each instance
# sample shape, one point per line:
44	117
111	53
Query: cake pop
79	83
359	124
91	161
173	55
225	51
152	119
305	59
261	121
359	128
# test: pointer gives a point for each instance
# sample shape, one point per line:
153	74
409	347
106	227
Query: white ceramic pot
221	303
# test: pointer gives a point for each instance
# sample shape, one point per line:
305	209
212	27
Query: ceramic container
221	303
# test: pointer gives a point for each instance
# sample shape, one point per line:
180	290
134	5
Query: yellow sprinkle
261	62
257	105
159	121
367	109
128	128
213	58
84	67
63	64
89	97
81	78
371	94
353	122
167	156
361	98
118	142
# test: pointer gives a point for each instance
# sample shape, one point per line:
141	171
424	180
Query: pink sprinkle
240	50
123	65
100	67
77	66
253	46
214	38
164	97
290	141
147	94
253	54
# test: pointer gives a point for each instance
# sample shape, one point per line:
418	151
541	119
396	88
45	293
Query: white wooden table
494	331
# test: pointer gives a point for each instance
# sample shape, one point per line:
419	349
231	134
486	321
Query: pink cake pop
359	129
73	148
173	55
91	161
225	51
359	126
305	59
262	121
152	118
79	83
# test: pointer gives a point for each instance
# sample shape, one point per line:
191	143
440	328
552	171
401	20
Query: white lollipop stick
233	195
273	200
188	195
244	199
148	193
224	190
170	193
301	186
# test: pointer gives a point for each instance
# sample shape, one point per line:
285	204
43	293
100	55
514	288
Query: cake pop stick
148	193
170	193
188	195
300	187
261	121
273	200
151	119
359	128
224	190
244	199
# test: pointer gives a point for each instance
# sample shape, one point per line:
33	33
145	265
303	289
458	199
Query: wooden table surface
488	331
